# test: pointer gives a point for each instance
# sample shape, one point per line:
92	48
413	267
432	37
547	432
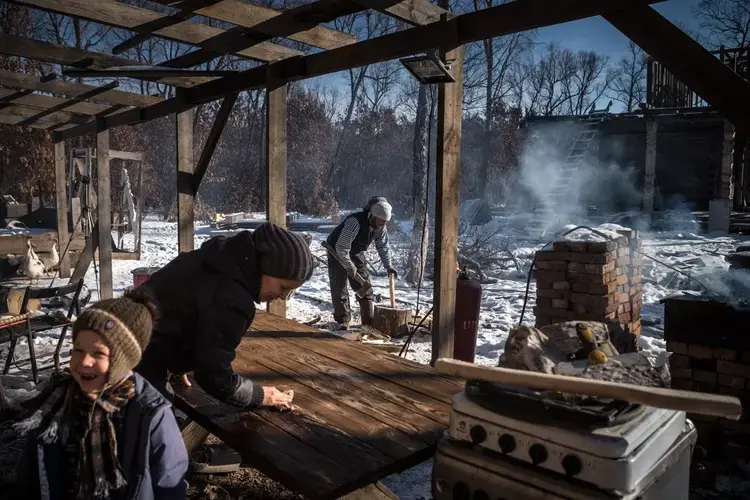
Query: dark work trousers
340	294
153	368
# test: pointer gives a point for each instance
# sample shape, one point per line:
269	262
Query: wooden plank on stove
248	15
412	402
71	56
24	81
125	16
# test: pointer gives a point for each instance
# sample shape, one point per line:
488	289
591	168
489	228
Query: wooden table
361	414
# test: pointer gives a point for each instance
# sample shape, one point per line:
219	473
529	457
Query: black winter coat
206	300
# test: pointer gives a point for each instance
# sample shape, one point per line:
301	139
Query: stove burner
544	408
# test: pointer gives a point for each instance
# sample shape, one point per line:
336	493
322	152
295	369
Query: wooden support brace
213	140
450	96
276	164
61	197
185	193
104	215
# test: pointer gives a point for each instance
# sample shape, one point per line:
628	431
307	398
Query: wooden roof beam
41	102
71	56
415	12
247	15
30	82
79	98
146	30
692	64
285	24
504	19
120	15
16	114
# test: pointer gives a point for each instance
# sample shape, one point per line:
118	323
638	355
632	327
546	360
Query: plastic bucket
142	274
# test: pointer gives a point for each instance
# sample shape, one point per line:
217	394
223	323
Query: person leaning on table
207	302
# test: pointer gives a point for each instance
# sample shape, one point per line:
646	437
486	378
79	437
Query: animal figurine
590	349
52	259
32	267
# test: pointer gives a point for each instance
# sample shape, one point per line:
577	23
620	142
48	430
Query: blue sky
592	33
597	34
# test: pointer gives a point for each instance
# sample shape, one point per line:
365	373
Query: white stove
462	471
612	458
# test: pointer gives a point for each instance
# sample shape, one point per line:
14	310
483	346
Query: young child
103	431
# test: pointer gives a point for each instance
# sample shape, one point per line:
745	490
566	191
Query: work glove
393	272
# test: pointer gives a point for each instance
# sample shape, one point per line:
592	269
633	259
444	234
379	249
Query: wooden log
185	192
689	401
61	199
389	319
194	436
16	243
104	214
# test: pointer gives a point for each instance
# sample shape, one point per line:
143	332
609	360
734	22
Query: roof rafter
42	102
79	98
512	17
247	15
30	82
71	56
16	114
120	15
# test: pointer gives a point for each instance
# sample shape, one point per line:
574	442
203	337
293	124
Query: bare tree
725	22
628	85
588	81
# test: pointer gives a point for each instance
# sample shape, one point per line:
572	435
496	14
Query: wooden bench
360	414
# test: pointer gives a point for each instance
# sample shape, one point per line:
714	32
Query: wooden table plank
359	416
411	401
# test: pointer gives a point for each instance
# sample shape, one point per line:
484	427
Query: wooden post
185	191
61	196
725	175
650	166
104	214
276	164
450	96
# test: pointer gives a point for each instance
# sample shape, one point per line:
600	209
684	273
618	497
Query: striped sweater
344	245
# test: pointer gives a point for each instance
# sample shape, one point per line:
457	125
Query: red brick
578	308
624	317
730	381
594	289
549	294
549	275
560	303
593	258
736	369
569	246
543	302
682	373
703	386
704	377
551	265
678	360
561	285
552	255
623	252
623	261
543	284
602	246
677	347
699	351
726	354
550	311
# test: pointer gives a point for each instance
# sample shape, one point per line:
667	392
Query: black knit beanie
282	254
126	324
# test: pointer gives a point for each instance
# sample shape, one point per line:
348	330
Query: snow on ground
695	254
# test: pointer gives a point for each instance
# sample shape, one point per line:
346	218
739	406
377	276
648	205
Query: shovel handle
392	283
670	399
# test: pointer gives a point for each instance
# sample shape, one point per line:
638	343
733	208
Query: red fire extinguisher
468	303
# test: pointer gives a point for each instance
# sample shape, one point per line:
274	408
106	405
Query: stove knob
538	454
480	495
507	443
478	434
461	492
572	465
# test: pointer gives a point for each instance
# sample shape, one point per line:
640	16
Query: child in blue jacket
102	431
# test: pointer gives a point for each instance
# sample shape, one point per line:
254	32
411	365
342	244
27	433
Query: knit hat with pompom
125	323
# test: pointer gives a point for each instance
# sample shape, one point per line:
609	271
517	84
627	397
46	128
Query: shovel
365	288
